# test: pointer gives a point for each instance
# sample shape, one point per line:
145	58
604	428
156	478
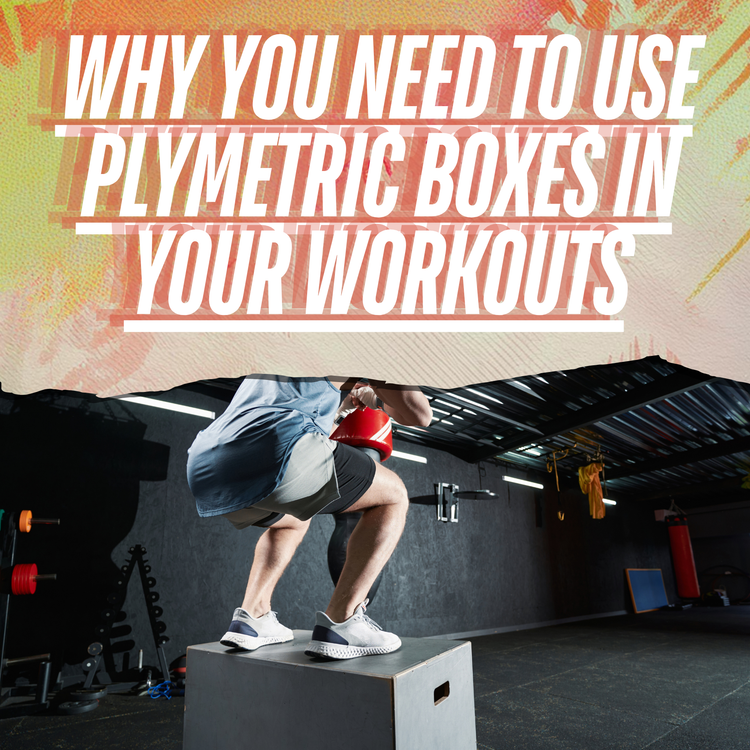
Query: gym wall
115	474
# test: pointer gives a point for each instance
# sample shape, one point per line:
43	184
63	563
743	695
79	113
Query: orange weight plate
24	522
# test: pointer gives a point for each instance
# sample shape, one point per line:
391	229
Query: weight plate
89	694
77	707
24	522
23	579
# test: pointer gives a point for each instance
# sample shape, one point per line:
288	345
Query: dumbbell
26	521
24	577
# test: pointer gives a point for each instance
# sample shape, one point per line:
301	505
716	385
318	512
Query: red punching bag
682	557
366	428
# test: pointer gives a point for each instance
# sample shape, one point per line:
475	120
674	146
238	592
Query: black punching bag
345	523
368	431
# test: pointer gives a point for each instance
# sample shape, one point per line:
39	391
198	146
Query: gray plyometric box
421	696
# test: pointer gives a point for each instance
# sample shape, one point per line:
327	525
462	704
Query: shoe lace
371	623
366	619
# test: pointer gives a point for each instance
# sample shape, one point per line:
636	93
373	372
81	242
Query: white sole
251	642
334	651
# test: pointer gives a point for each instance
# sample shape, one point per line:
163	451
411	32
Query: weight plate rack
116	600
17	580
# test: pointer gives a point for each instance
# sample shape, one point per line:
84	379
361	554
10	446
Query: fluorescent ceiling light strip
484	395
533	452
445	403
609	502
468	401
434	408
520	454
409	457
521	385
167	405
524	482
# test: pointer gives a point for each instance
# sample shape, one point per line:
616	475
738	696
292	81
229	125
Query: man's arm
406	404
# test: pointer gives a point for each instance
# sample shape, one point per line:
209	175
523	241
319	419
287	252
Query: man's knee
290	523
402	495
396	491
386	489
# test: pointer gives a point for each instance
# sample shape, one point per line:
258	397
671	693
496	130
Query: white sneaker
248	633
357	636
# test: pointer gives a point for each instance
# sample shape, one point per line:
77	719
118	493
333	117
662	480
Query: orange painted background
687	292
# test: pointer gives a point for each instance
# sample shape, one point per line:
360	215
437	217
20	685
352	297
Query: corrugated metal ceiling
658	426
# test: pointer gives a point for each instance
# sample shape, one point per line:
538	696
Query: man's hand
364	396
359	397
346	408
405	404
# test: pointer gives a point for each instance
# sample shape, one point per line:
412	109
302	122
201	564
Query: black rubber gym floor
677	680
674	680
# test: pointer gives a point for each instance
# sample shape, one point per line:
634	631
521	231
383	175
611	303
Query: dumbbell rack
8	531
117	599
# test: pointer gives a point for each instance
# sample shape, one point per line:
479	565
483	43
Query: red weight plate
23	580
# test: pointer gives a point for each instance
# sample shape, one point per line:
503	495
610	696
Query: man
268	462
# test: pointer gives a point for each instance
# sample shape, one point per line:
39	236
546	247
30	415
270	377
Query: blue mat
646	588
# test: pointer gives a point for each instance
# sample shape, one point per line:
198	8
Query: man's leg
273	552
384	507
254	625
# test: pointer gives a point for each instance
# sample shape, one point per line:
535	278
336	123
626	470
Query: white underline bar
108	228
374	326
83	227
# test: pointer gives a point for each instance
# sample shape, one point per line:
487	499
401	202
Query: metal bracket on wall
447	502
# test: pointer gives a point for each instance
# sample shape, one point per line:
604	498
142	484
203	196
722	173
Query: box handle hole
442	692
